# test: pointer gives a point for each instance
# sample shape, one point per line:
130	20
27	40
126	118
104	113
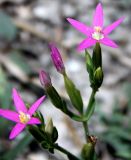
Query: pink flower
96	33
56	58
45	79
23	116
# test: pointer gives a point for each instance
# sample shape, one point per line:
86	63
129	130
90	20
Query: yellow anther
97	29
97	35
24	118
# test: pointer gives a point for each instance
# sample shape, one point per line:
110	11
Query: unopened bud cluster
94	67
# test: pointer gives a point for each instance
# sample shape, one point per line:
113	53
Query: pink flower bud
56	58
45	79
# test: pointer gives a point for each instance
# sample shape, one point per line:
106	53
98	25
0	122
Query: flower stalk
69	154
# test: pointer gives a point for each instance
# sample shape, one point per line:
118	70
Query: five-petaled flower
96	33
23	116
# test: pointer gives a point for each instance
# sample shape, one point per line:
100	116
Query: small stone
68	10
48	10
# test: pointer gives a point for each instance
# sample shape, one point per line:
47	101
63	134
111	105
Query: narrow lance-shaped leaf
8	29
89	65
56	99
74	94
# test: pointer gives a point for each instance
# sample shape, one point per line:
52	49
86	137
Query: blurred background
26	28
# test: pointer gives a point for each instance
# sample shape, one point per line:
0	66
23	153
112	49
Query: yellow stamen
24	118
97	35
97	29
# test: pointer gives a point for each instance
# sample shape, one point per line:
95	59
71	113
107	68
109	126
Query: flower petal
19	104
11	115
108	42
111	27
86	44
34	106
80	26
98	16
16	130
34	120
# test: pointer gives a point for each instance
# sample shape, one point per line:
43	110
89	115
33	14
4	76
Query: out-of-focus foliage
18	66
18	148
8	30
18	59
117	135
5	101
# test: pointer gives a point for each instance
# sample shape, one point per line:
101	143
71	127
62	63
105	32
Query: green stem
73	157
85	124
92	97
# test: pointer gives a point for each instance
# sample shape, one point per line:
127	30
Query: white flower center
97	35
24	118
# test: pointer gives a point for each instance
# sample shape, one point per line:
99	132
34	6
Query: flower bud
57	59
49	126
97	57
98	77
88	151
45	79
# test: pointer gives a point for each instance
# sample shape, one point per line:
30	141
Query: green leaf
89	66
126	154
39	115
8	30
18	148
54	135
37	134
89	63
5	91
55	98
74	94
45	145
21	62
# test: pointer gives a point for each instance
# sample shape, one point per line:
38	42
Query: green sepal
51	150
45	145
97	57
54	135
88	151
59	103
56	99
36	133
51	131
98	77
49	126
74	94
39	115
89	65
